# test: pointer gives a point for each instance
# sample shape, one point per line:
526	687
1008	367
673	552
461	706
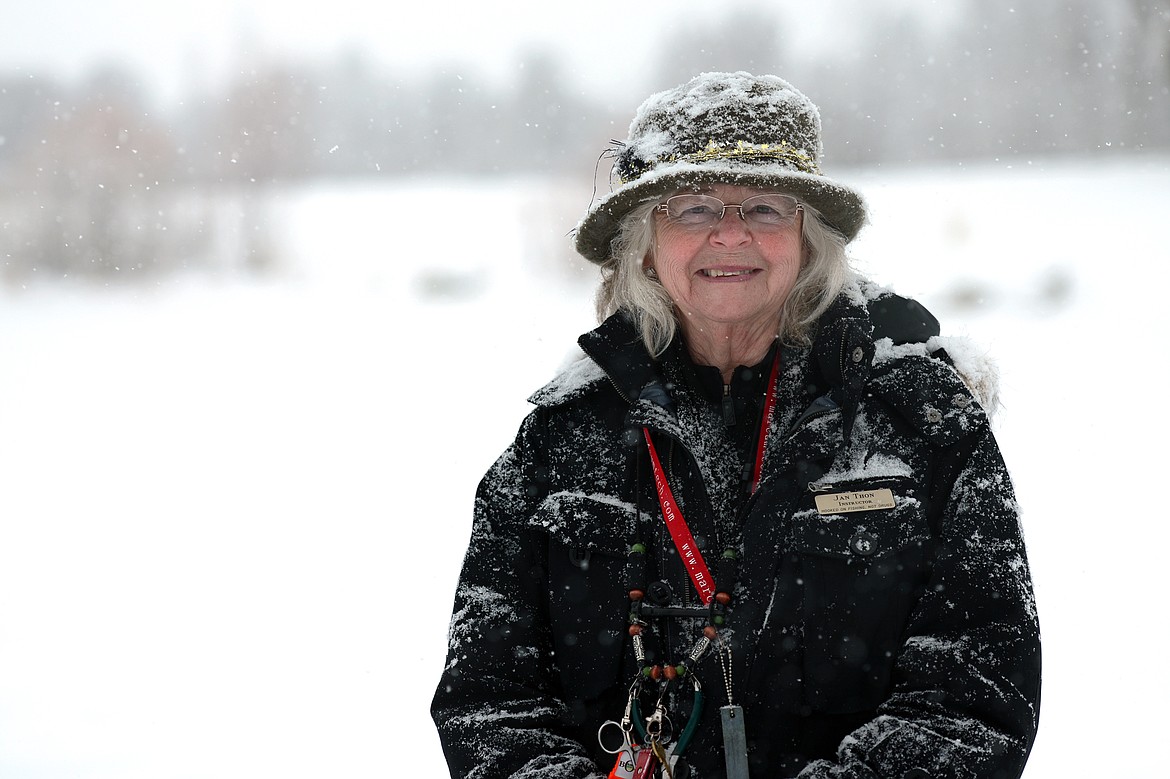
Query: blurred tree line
100	181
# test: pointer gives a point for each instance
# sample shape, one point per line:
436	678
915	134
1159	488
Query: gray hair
625	286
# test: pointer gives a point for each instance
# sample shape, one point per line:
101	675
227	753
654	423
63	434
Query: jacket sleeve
496	708
966	693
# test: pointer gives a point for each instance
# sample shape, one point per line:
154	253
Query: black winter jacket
898	642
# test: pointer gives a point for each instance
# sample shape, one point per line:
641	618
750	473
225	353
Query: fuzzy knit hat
728	128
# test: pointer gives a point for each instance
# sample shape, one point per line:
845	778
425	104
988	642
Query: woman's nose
731	230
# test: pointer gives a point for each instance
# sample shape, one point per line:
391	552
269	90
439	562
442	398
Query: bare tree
95	196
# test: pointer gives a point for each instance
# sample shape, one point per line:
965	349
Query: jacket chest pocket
864	550
587	598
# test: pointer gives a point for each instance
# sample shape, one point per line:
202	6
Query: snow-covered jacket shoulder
577	377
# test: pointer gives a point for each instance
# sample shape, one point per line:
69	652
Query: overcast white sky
199	40
177	44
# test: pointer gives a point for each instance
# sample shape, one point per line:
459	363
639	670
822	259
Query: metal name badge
845	502
734	742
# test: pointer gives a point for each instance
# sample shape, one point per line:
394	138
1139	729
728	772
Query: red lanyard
680	533
766	422
684	542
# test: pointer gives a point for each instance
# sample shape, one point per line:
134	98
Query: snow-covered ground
232	512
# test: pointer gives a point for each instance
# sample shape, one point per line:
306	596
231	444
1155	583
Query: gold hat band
748	152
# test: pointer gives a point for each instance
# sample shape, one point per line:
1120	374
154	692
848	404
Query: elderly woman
761	527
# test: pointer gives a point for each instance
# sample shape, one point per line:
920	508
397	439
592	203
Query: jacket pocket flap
597	523
861	520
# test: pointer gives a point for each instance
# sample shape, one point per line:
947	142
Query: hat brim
841	207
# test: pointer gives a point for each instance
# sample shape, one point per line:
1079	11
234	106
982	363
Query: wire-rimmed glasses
705	211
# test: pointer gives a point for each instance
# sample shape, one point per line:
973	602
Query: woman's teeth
714	272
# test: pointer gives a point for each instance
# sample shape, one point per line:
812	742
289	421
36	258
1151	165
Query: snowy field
232	511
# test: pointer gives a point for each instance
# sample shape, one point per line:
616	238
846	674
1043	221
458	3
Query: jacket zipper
617	387
810	414
746	506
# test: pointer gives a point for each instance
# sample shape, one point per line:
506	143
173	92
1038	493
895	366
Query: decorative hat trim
742	151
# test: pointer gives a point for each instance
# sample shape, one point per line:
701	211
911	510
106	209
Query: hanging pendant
734	742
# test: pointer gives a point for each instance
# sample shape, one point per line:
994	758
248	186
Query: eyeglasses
704	211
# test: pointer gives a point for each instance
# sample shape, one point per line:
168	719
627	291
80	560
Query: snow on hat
729	128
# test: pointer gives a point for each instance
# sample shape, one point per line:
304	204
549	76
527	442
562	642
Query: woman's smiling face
734	273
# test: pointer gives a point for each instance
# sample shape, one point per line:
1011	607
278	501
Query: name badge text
863	500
